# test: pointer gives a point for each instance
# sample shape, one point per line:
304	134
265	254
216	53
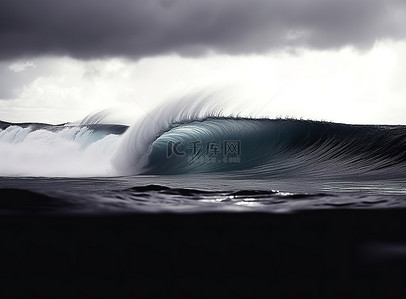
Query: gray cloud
12	80
98	28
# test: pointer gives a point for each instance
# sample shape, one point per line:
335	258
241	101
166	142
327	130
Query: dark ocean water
193	194
205	165
203	207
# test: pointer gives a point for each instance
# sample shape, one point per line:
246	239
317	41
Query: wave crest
192	136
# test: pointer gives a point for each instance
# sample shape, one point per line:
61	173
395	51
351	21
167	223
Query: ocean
209	165
203	206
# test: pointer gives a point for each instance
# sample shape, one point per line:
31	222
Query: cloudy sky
335	60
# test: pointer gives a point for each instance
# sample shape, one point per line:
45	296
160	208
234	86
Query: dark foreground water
199	236
193	194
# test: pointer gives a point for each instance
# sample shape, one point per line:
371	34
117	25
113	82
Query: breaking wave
185	138
280	148
199	137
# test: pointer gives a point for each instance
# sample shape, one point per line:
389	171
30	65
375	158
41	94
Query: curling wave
189	137
279	148
195	135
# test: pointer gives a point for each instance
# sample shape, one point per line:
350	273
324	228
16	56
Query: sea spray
46	150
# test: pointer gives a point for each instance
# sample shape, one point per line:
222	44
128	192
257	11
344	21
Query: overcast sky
337	60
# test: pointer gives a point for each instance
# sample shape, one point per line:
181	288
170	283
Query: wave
197	136
279	148
135	147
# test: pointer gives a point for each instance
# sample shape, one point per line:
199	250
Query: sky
335	60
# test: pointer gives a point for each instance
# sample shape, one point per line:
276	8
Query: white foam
71	151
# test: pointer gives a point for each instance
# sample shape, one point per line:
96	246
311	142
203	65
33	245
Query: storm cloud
104	28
